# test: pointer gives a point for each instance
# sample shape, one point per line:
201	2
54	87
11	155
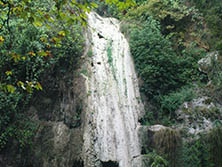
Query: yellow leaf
37	24
43	39
29	89
1	3
8	73
29	83
10	88
20	83
38	86
1	39
15	57
42	53
62	33
31	53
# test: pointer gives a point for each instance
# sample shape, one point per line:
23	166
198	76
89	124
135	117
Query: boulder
206	62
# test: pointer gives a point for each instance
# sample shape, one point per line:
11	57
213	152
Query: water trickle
113	100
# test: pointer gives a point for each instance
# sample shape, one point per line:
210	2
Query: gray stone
197	116
56	145
206	62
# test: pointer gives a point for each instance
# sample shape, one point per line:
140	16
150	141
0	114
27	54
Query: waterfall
113	100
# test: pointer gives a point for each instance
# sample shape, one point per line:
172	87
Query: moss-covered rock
198	115
56	145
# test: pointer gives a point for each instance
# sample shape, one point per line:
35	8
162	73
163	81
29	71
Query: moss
167	142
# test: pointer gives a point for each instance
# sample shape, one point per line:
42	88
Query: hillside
69	96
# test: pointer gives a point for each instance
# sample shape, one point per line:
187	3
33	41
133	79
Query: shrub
154	160
163	69
212	14
156	62
171	102
160	68
196	154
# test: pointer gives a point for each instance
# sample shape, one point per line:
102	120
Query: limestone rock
114	105
198	115
206	62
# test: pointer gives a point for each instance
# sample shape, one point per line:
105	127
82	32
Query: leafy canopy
44	14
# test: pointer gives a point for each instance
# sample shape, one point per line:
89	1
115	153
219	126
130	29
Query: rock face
198	115
113	103
57	146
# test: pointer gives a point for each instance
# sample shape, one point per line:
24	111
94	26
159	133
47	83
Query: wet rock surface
114	105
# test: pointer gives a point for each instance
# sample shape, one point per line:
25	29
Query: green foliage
196	154
157	64
155	60
155	160
170	103
205	151
165	62
27	58
13	124
172	14
212	14
161	9
177	20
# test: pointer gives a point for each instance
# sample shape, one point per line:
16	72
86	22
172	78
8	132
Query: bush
212	14
160	68
163	70
171	102
156	62
206	151
154	160
196	154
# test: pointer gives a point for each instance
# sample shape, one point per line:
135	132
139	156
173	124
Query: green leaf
37	24
10	88
8	73
38	86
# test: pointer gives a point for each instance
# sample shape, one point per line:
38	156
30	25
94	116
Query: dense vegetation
165	60
30	61
167	39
